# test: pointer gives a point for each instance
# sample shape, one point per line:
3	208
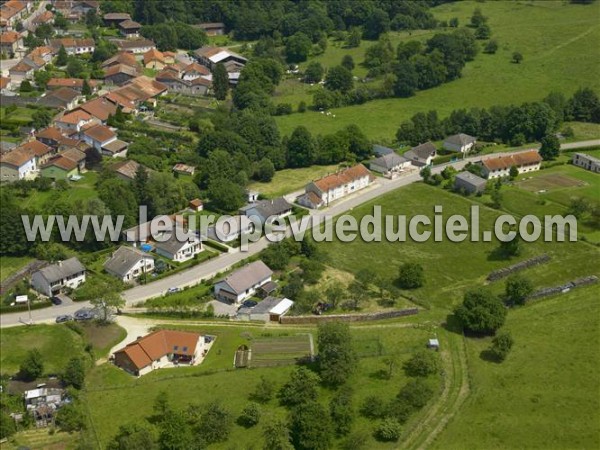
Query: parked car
83	314
172	290
56	300
249	304
63	318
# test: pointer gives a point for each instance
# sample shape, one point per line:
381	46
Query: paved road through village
212	267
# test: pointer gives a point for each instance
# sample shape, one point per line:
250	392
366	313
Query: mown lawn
111	391
545	394
450	268
290	180
558	42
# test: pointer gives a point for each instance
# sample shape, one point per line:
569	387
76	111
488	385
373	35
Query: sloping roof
195	67
160	343
58	271
504	162
246	277
16	157
99	133
470	178
116	16
282	307
9	37
40	51
149	86
62	162
130	25
73	154
421	151
268	208
64	94
210	25
116	146
70	82
196	203
4	82
124	259
310	197
36	147
460	139
74	117
122	100
341	178
128	44
121	58
184	168
21	66
389	161
172	245
44	17
153	55
380	150
70	42
126	168
120	68
100	108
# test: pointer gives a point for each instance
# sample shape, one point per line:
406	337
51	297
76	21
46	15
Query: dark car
83	315
56	300
63	318
249	304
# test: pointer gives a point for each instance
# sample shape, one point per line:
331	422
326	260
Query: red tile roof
154	346
36	147
100	108
17	157
9	37
504	162
99	133
61	162
74	117
341	178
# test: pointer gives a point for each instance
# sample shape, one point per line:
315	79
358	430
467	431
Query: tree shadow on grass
498	254
489	356
452	324
381	374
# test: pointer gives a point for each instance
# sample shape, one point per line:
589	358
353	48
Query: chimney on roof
59	263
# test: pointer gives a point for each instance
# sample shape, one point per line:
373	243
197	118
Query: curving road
224	262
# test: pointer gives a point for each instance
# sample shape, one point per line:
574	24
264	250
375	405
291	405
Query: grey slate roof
172	245
460	139
246	277
123	259
422	151
470	178
389	161
58	271
380	150
268	208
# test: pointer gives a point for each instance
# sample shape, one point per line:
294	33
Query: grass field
558	41
10	264
41	439
290	180
109	402
451	268
56	343
284	350
544	383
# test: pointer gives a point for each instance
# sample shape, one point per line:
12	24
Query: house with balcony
55	278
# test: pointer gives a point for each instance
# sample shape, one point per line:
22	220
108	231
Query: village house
115	149
243	283
180	246
271	309
98	136
266	209
211	56
125	58
195	70
41	151
100	108
184	169
130	29
5	84
421	155
53	279
63	167
135	46
74	121
126	170
115	18
231	230
499	166
128	263
212	28
82	7
119	74
17	164
21	71
43	402
310	200
160	349
13	11
459	143
73	46
338	185
380	150
10	43
46	17
62	98
54	137
197	87
44	52
154	59
389	163
73	83
196	205
586	161
469	183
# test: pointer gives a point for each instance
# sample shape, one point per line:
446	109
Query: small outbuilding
469	182
268	310
433	344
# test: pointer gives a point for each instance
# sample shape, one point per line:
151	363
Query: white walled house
588	162
98	136
128	263
499	166
459	143
179	251
340	184
243	283
17	165
52	279
392	162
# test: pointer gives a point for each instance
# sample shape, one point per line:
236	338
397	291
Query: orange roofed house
163	348
335	186
499	166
